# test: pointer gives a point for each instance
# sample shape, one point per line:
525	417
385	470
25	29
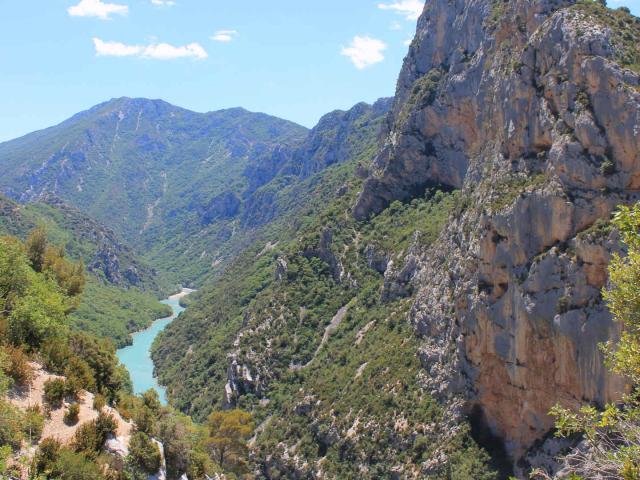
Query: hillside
130	164
121	294
410	290
379	336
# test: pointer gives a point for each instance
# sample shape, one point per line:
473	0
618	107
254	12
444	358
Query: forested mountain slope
121	294
147	169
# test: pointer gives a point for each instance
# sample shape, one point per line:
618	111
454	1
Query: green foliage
11	425
423	94
90	436
55	390
46	456
144	455
108	311
72	414
36	246
74	466
105	309
624	29
99	402
509	190
17	366
33	424
229	432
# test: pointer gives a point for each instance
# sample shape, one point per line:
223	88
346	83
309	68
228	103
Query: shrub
54	392
19	368
33	423
71	416
72	466
90	437
11	432
46	455
80	375
99	402
144	453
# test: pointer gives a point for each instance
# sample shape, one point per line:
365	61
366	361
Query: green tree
73	466
144	454
229	432
37	247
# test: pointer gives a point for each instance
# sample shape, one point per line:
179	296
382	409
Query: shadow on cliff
494	445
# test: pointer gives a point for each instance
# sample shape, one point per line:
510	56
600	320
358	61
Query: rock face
528	108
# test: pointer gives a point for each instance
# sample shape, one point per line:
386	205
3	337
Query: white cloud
115	49
224	36
164	51
364	51
157	51
163	3
411	9
97	8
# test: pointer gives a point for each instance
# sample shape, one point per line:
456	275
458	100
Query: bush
71	416
33	423
46	455
19	368
11	432
55	390
91	436
72	466
99	402
144	453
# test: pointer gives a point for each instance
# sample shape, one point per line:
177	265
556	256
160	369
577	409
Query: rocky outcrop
525	106
222	207
338	137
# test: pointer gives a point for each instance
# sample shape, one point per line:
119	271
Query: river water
137	357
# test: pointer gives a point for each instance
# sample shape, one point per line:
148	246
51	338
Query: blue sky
296	59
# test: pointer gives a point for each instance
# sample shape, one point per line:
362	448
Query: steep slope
302	330
532	108
529	111
121	294
277	183
106	256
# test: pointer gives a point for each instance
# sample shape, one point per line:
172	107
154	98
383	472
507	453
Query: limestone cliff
532	108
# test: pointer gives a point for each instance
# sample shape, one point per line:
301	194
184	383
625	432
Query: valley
439	285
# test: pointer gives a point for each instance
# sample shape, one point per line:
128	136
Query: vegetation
229	432
110	306
71	416
111	312
509	190
313	383
624	28
144	454
54	392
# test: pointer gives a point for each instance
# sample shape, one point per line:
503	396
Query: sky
296	59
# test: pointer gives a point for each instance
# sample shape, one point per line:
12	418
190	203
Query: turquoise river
137	357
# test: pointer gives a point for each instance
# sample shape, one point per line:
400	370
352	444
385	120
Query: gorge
405	290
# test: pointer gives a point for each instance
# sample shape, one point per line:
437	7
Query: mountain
422	320
121	293
531	110
141	166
